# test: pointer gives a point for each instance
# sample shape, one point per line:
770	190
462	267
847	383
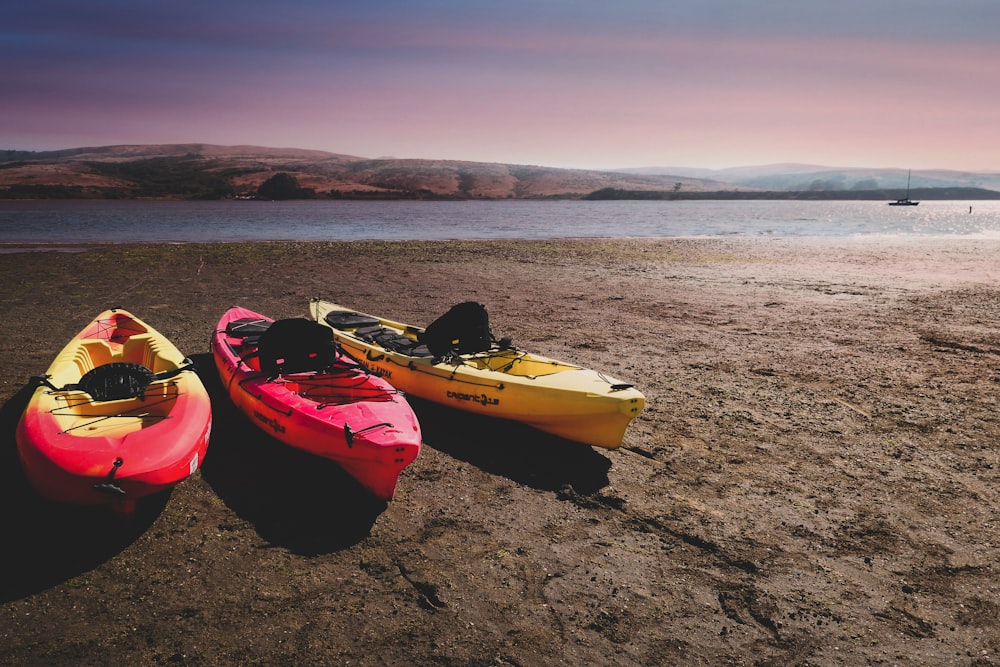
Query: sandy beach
814	480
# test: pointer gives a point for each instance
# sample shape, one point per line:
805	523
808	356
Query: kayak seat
296	345
464	329
116	381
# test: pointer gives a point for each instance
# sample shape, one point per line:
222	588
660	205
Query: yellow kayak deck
553	396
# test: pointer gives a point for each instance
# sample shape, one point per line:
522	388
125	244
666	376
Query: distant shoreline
929	194
72	193
208	172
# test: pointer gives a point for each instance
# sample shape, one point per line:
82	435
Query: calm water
137	221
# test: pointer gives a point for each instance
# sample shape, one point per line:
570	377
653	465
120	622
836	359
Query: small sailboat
905	201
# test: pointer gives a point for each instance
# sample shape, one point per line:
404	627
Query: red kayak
289	378
119	415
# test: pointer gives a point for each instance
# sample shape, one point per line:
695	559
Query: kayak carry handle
109	486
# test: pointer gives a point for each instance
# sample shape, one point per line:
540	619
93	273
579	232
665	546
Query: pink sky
573	84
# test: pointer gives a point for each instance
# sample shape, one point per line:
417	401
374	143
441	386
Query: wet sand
814	479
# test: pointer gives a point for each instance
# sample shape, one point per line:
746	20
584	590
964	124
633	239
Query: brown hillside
246	167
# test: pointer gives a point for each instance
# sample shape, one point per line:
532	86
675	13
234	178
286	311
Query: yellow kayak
457	363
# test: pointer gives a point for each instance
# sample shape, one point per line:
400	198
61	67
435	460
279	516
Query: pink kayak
290	380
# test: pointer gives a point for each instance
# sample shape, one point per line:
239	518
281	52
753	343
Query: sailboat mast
906	200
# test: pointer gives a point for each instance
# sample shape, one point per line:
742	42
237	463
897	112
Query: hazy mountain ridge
816	177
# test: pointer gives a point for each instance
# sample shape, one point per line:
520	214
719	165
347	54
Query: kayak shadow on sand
522	454
296	500
48	543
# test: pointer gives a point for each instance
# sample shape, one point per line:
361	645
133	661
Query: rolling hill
200	171
205	171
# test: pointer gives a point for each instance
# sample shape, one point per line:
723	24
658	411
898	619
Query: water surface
153	221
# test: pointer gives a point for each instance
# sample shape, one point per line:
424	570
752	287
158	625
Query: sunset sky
563	83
